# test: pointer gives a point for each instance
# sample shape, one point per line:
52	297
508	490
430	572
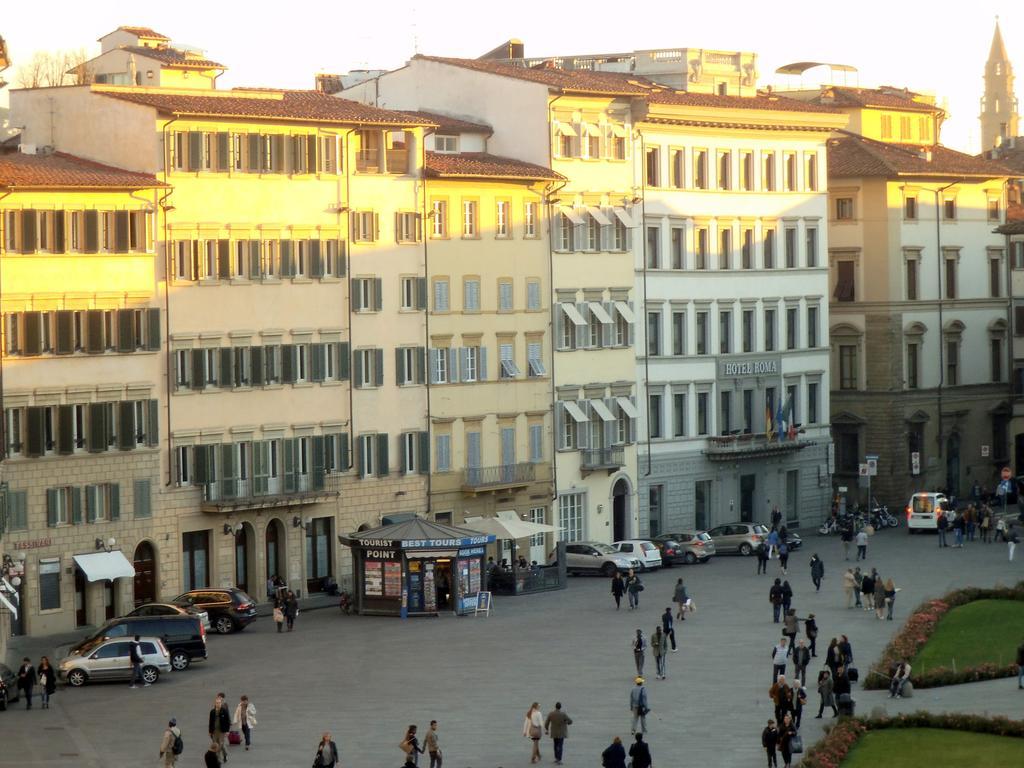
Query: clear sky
937	47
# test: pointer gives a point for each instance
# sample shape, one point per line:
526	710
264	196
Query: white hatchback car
645	551
110	659
923	511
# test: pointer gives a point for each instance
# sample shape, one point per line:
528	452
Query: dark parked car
230	609
8	686
173	609
184	636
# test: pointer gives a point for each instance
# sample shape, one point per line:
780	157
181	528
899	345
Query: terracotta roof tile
578	81
713	100
61	170
453	124
173	57
1010	156
302	106
143	32
843	96
484	165
851	155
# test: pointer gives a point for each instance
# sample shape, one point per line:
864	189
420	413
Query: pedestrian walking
614	755
533	728
668	627
775	598
639	646
245	718
958	530
879	598
801	658
1000	530
773	543
136	657
556	725
633	589
638	705
817	571
640	752
890	598
942	525
410	745
171	744
291	609
27	681
212	756
787	596
970	521
679	597
47	677
786	735
779	655
784	557
278	615
219	724
1020	666
811	631
659	647
833	659
846	534
618	589
770	742
790	628
844	651
776	517
782	697
985	524
848	585
799	702
858	577
862	545
762	558
867	588
826	693
326	753
840	683
1012	539
432	743
899	679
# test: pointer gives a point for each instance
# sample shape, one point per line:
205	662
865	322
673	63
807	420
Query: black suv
184	636
230	609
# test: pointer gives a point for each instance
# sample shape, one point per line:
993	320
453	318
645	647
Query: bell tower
999	119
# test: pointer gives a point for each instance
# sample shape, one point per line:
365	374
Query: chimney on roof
328	83
925	153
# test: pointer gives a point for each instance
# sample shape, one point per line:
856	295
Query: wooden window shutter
319	463
153	329
399	366
286	257
126	424
288	363
344	357
316	262
65	421
114	500
223	151
198	369
91	502
253	150
421	293
291	475
59	232
378	367
76	505
141	498
228	472
92	231
376	226
312	141
97	442
378	290
121	228
256	362
94	331
277	153
201	464
227	379
357	366
125	330
317	362
344	453
195	150
254	259
33	333
35	432
224	259
153	423
423	456
65	332
51	506
420	361
481	368
29	231
382	455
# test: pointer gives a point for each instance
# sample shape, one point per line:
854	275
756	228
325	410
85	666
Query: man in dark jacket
557	725
26	680
942	525
817	571
762	558
615	755
667	626
220	724
770	740
775	598
801	658
640	753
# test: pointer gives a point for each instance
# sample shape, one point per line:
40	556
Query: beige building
143	56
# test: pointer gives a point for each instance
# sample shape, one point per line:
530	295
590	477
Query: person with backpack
639	646
410	746
784	557
638	705
171	745
762	558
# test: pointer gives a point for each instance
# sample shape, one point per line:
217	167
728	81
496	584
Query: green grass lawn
985	631
912	747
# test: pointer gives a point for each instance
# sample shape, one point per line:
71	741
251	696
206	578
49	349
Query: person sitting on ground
899	679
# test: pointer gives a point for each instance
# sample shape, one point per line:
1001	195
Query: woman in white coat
245	718
533	728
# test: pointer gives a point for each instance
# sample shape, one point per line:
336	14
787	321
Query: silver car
110	659
594	557
738	537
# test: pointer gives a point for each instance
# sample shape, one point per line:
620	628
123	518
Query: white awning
101	566
573	313
564	129
627	406
623	215
599	312
508	525
571	215
623	309
602	410
591	130
618	130
598	215
575	411
9	605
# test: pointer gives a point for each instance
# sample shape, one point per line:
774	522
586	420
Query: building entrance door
620	511
81	618
748	486
145	574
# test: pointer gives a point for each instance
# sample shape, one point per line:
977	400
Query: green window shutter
126	424
399	365
288	363
35	432
65	332
223	151
286	258
97	442
51	507
198	369
316	260
254	149
382	455
29	231
344	360
121	231
91	501
254	259
277	156
92	231
33	333
357	367
224	259
153	424
227	367
403	465
65	419
153	329
257	366
290	474
341	264
317	361
378	291
421	293
195	150
378	367
421	365
114	497
319	463
125	330
76	505
361	445
424	453
344	454
59	229
141	498
201	464
228	473
311	144
94	331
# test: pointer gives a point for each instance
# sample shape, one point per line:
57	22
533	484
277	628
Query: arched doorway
620	510
243	562
275	549
953	464
145	573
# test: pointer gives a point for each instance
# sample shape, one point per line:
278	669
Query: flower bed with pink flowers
919	628
844	735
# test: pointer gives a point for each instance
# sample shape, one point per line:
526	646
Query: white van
923	511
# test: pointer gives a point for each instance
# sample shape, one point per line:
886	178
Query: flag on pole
780	422
769	429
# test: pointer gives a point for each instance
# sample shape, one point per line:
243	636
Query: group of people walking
870	592
222	728
45	676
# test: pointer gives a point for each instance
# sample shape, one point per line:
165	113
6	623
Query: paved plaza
365	679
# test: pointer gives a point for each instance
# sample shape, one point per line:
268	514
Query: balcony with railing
595	459
291	490
750	445
504	477
368	161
